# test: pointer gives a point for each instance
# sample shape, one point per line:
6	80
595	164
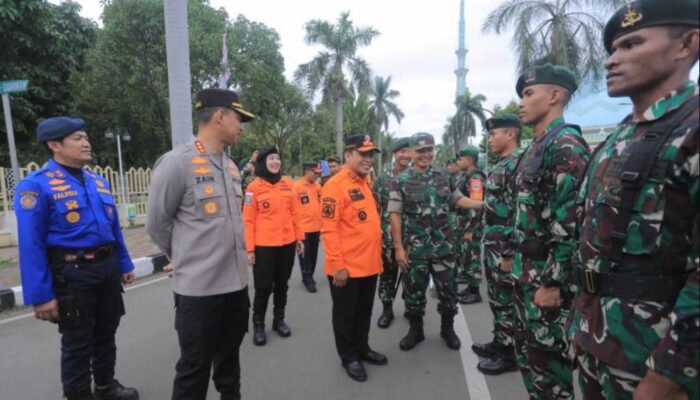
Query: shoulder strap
637	168
541	147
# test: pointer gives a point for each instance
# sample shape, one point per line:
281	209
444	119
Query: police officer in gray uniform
194	216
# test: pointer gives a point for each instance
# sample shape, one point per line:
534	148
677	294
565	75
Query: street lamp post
127	137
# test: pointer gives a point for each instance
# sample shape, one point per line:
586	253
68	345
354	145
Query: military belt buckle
629	176
589	276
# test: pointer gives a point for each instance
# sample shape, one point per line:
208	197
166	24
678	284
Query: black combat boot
278	324
470	295
502	362
78	392
461	278
415	333
115	391
447	332
387	316
486	350
259	336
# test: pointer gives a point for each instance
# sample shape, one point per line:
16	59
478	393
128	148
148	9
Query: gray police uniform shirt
194	217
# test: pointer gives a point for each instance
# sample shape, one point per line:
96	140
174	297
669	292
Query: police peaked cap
646	13
361	143
210	98
55	128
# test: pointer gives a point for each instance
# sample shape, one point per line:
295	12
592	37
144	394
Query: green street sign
13	86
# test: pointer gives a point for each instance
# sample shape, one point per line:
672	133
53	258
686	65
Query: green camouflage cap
547	74
400	144
469	151
452	160
422	140
645	13
505	120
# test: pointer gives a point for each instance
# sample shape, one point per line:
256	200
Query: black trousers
352	314
273	267
93	292
210	330
307	261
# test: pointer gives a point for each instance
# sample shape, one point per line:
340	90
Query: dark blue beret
55	128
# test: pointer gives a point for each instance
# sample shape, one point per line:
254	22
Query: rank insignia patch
199	161
54	182
328	210
27	202
72	205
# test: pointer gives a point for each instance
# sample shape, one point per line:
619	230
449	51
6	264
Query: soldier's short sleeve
395	204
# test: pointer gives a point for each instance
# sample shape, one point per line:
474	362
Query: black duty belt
631	287
81	255
496	220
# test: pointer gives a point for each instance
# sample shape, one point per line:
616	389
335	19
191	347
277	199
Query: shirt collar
352	175
670	102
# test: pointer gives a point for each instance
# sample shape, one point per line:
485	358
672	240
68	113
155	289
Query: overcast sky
416	47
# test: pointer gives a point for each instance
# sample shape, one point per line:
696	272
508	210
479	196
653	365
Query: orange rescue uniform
308	198
270	214
350	226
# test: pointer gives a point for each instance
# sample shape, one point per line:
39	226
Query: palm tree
565	32
333	69
382	106
462	126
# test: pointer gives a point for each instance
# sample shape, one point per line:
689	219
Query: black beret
58	127
400	144
505	120
547	74
361	143
209	98
645	13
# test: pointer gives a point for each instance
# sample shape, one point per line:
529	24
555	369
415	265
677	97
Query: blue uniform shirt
54	209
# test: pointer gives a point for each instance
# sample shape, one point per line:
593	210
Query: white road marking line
476	383
30	314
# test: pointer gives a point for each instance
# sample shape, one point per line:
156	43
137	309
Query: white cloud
416	47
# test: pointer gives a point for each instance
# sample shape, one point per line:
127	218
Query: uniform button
690	372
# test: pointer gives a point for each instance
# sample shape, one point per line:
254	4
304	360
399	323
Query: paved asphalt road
303	366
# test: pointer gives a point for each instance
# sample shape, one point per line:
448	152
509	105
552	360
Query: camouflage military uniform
458	219
471	222
387	279
424	200
619	337
498	228
247	176
546	220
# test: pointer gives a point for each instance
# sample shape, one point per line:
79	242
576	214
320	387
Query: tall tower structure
461	52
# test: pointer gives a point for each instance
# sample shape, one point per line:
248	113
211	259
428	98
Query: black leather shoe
310	287
447	332
115	391
355	370
387	316
461	279
486	350
81	392
259	336
499	365
374	358
279	326
469	295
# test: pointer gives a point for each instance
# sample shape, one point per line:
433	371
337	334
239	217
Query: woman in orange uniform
272	233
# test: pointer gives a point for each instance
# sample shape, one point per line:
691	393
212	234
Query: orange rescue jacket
350	226
308	198
270	214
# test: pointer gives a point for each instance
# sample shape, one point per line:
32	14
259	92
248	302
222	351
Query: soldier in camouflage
504	139
382	186
419	204
547	177
248	170
636	321
471	184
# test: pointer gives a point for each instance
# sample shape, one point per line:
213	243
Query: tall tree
462	126
565	32
45	43
338	65
382	106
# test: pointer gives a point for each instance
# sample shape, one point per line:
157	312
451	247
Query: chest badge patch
99	183
73	217
60	188
211	207
328	210
362	216
266	204
199	161
202	171
72	205
209	190
54	182
356	194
